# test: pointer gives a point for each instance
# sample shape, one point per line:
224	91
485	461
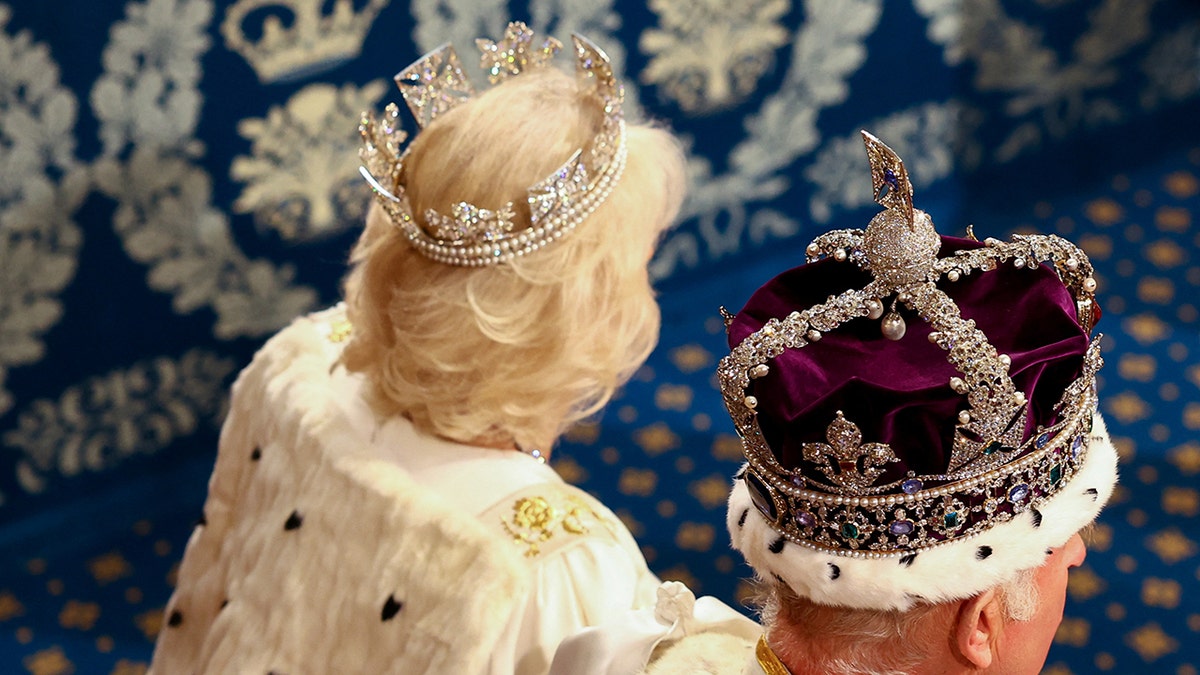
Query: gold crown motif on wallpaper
311	40
470	235
992	473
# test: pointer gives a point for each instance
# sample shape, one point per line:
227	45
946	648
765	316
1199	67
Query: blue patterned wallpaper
178	180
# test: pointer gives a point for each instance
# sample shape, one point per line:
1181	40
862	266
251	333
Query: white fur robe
336	542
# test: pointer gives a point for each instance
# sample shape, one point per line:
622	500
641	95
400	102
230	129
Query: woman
381	501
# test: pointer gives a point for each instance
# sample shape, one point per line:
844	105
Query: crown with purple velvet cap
918	413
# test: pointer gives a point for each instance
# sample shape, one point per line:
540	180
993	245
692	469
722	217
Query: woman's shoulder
324	332
310	343
544	519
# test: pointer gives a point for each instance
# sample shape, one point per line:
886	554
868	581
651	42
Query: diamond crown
472	235
314	39
993	472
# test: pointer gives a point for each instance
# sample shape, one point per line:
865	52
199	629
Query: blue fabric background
177	181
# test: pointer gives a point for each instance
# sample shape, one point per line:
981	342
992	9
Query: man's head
1004	630
919	420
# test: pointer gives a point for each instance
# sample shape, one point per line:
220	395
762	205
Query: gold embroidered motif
535	521
339	331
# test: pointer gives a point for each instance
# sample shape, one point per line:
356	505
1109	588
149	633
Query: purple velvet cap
915	427
898	392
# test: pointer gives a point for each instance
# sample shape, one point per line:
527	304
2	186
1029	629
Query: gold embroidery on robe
340	330
536	520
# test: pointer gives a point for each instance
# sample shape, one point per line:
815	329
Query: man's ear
977	629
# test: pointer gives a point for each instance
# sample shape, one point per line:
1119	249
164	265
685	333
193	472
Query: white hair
843	641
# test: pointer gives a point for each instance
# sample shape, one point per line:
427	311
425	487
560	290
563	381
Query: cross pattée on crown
475	236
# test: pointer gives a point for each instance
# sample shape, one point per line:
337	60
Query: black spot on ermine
390	608
294	521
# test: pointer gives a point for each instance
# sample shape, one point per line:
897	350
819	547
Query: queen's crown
471	235
843	500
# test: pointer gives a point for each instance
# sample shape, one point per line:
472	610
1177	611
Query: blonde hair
843	641
517	352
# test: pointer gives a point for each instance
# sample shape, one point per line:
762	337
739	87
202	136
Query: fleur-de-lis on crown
849	463
512	55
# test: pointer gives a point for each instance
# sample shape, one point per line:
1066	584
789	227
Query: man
918	416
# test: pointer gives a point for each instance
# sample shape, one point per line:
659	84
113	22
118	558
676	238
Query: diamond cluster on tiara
471	235
992	474
512	55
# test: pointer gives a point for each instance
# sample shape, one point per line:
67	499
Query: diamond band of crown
992	473
470	235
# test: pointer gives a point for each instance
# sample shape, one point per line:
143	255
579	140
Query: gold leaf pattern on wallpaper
707	55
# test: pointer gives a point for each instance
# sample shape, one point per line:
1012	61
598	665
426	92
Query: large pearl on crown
900	253
893	326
